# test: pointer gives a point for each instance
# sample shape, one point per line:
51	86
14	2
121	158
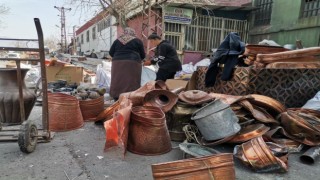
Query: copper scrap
300	129
163	99
253	50
258	113
294	65
108	113
195	97
268	103
90	109
281	56
228	99
219	166
64	112
148	133
249	132
256	153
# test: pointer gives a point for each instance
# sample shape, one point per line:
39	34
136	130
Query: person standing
165	56
127	53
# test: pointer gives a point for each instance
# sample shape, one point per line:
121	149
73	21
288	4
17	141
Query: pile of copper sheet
281	58
252	51
301	58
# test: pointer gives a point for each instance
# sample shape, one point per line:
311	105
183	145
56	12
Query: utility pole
74	40
63	40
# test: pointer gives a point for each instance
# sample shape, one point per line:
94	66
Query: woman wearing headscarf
127	53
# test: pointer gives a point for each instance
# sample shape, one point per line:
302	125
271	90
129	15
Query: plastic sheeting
313	103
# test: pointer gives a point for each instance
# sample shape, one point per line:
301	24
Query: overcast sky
18	23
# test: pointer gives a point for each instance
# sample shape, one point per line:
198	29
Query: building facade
286	21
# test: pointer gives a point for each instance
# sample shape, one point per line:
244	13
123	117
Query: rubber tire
27	143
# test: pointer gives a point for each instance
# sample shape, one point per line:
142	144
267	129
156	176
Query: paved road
80	155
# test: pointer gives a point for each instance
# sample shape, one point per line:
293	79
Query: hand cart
28	135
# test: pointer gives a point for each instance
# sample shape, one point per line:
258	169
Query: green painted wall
286	25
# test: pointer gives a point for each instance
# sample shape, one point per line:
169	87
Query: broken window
263	14
310	8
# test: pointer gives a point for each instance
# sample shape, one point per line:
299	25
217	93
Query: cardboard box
176	83
72	74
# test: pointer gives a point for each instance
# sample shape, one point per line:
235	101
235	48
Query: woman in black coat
127	53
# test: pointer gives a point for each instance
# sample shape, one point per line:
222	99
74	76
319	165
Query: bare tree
51	42
3	10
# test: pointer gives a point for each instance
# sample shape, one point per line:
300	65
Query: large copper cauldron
9	97
64	112
208	167
90	109
148	133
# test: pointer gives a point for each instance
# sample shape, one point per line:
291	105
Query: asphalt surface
79	155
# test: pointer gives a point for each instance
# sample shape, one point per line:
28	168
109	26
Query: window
310	8
88	36
94	33
103	24
263	14
81	38
77	40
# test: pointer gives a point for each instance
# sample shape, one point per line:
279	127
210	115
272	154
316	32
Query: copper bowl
220	166
249	132
64	112
148	133
90	109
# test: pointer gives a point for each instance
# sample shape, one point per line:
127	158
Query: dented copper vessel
301	128
195	97
256	154
268	103
148	133
220	166
294	65
163	99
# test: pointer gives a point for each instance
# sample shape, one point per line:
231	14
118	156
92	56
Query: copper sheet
299	129
252	49
294	65
268	58
256	153
90	109
268	103
117	128
258	113
219	166
108	113
228	99
249	132
138	95
195	97
163	99
148	134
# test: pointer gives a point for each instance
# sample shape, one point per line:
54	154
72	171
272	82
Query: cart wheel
28	137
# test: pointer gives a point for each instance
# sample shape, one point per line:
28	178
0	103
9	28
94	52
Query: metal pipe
15	59
19	49
311	155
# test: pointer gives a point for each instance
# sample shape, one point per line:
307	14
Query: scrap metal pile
263	131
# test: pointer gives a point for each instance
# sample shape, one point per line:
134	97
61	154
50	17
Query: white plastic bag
203	62
103	77
147	75
313	103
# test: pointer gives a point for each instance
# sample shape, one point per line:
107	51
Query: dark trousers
163	75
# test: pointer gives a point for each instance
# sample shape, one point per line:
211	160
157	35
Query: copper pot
268	103
148	133
64	112
107	113
90	109
220	166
